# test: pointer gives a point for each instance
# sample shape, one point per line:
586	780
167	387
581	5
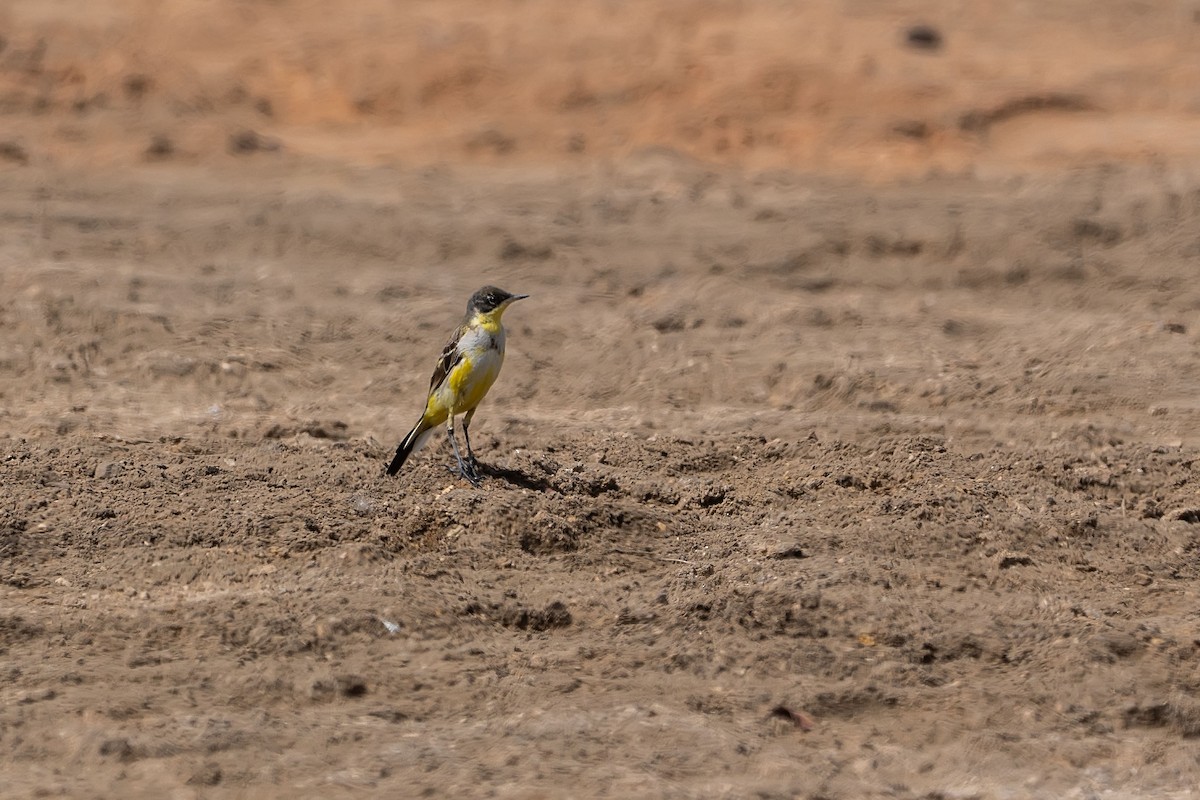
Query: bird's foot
468	472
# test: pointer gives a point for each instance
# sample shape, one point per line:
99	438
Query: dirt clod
555	615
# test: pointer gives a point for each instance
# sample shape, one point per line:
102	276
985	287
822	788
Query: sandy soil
845	449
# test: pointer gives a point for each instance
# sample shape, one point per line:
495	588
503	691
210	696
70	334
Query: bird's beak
515	298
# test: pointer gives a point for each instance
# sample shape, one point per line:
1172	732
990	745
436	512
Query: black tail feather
404	450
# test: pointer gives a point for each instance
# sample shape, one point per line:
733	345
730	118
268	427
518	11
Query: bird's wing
450	358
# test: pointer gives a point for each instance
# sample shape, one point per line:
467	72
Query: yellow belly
469	381
466	385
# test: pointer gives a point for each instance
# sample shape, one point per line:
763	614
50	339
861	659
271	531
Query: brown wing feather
450	358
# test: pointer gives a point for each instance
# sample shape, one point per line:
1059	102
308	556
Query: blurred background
871	88
238	197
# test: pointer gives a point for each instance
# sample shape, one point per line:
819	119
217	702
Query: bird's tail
415	440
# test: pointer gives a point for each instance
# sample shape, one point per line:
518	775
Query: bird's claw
468	472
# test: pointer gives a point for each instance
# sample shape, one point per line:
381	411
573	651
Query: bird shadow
515	477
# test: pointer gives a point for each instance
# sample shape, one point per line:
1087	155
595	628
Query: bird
468	367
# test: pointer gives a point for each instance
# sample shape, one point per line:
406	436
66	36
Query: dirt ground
846	447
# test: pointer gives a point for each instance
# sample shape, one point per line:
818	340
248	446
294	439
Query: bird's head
492	301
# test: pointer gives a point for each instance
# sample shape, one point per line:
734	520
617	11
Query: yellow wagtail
468	367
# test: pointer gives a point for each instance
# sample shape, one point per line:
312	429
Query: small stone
247	141
106	470
120	749
793	550
791	717
923	37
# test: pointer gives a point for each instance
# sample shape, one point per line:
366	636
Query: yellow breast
482	354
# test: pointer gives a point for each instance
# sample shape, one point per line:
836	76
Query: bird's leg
466	426
464	469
